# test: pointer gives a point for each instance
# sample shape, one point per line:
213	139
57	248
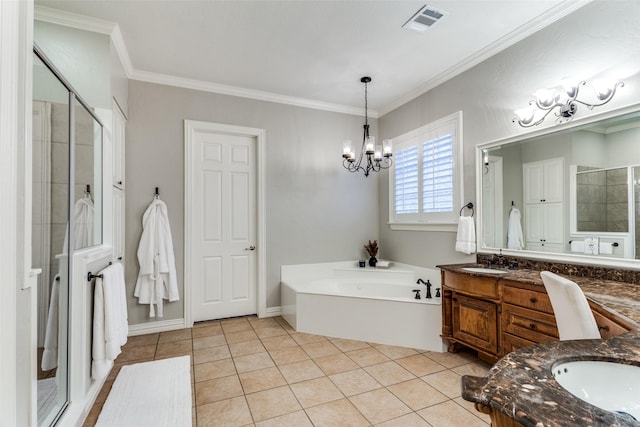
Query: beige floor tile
450	413
349	345
246	347
319	349
211	370
302	338
226	413
294	419
278	342
354	382
393	352
235	320
139	353
218	389
211	354
379	405
409	420
336	363
236	327
417	394
262	379
177	335
209	341
271	332
447	382
253	362
272	403
478	369
316	392
300	371
469	406
171	355
450	360
338	413
265	322
235	337
288	355
389	373
139	340
367	357
174	348
206	331
419	365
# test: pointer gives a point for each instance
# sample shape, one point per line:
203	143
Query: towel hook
468	206
157	193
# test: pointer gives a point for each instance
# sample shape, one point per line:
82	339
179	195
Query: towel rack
91	276
468	206
614	244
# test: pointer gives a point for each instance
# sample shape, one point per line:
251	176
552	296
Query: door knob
250	248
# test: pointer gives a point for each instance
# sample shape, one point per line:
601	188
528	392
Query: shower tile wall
602	200
617	201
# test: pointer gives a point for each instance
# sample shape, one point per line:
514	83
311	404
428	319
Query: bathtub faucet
428	285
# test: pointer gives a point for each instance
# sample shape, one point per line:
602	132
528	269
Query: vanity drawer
472	285
529	324
512	343
525	298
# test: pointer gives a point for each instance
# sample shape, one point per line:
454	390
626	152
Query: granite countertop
521	385
621	297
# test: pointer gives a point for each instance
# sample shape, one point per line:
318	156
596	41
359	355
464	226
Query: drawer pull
533	300
603	328
532	325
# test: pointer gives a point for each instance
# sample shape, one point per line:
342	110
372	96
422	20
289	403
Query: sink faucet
428	285
500	259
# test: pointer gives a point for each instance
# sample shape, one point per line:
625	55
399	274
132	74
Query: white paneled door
221	235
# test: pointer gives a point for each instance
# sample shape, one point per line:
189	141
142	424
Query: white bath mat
150	394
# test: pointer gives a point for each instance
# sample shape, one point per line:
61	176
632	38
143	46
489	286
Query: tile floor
260	372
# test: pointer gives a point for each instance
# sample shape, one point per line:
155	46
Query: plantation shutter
437	164
406	181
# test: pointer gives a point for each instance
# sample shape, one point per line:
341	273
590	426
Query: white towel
466	238
50	354
110	326
606	248
515	239
577	246
82	225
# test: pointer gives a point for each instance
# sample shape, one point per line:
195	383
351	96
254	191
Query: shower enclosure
66	217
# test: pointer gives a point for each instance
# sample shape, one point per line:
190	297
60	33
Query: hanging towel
110	326
82	225
157	279
466	239
50	354
515	240
577	246
606	248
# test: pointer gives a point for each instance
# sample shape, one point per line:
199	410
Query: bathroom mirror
574	184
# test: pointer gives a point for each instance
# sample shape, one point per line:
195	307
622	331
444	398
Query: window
425	183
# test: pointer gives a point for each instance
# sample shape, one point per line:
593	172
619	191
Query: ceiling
312	52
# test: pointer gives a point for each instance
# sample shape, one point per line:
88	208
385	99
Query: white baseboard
273	311
154	327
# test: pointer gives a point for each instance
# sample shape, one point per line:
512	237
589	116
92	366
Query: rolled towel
466	238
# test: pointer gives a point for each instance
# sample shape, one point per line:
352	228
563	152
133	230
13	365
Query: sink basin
483	270
610	386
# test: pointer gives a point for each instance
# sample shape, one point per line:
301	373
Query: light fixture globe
372	157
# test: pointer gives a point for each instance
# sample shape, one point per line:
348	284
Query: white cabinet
543	181
118	141
544	205
118	188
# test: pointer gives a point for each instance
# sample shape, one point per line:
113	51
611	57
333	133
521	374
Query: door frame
191	126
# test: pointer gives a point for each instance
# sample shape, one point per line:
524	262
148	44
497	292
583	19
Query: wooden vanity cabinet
470	312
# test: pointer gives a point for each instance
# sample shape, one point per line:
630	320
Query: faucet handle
417	291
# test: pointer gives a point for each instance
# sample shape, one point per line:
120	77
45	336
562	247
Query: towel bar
91	276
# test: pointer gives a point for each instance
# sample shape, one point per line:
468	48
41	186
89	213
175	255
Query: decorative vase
373	261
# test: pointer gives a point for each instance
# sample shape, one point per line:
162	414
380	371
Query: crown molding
73	20
169	80
552	15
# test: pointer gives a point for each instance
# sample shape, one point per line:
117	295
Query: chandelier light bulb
346	149
525	115
545	97
369	146
570	86
387	148
603	88
377	155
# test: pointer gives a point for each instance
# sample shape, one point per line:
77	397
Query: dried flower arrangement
372	248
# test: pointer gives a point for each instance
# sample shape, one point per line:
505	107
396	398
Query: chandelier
564	102
372	157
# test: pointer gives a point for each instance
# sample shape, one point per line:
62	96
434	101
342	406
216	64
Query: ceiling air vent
424	18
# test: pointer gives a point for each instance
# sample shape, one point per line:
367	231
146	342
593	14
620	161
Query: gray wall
315	210
599	40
